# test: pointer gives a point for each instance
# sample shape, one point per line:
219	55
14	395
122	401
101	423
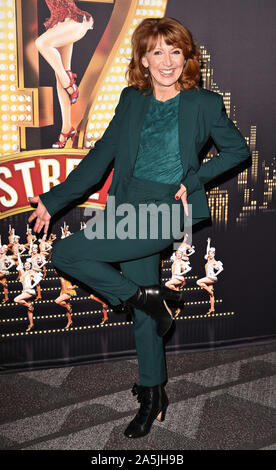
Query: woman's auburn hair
175	34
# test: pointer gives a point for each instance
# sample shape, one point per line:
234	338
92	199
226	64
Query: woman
16	248
65	232
66	292
185	248
45	248
30	238
67	25
104	308
38	263
161	123
11	237
29	279
6	262
212	269
180	267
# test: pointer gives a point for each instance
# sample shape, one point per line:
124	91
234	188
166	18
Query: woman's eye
177	52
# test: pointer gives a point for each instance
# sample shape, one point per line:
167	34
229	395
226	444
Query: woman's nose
167	59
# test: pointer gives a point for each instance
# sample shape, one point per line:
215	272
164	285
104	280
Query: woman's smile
167	72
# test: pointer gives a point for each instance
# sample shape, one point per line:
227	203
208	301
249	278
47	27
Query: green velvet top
158	155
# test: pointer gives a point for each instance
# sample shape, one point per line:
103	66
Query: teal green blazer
201	115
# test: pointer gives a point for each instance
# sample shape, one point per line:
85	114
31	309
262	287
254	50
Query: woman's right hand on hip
41	214
182	193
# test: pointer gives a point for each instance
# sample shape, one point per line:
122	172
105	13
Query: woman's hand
183	194
43	216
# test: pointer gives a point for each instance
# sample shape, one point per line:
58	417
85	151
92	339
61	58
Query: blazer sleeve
91	168
232	147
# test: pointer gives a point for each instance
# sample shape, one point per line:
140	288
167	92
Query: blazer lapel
137	116
188	112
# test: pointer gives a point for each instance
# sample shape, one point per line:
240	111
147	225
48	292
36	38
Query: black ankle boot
150	300
154	403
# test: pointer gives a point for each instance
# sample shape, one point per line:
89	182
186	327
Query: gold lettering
8	189
25	167
47	178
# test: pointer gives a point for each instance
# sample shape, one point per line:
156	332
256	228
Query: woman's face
211	254
165	64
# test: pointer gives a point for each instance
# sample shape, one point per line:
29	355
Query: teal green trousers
90	259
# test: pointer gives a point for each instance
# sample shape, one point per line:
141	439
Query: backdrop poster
234	39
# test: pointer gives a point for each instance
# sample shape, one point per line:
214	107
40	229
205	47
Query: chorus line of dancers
33	270
181	266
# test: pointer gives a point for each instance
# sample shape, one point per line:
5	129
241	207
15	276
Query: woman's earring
146	74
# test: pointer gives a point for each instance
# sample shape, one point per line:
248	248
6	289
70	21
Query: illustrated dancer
65	232
67	291
6	262
185	248
212	269
38	263
162	121
31	238
11	237
180	267
45	250
29	279
181	257
66	25
16	248
44	246
51	238
104	308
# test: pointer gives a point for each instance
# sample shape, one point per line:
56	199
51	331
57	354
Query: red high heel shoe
71	75
75	94
61	144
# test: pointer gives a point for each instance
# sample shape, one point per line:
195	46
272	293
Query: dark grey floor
219	399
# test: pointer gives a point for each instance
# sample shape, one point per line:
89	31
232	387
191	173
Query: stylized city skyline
256	184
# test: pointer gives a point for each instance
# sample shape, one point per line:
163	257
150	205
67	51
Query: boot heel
161	416
150	399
